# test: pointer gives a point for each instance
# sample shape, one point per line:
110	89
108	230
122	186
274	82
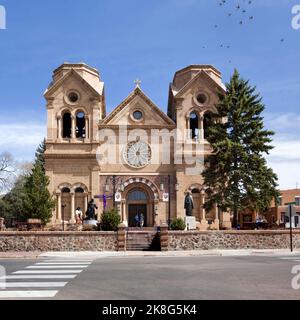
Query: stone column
85	204
87	132
73	132
59	120
58	207
201	128
72	207
164	237
123	212
217	219
121	237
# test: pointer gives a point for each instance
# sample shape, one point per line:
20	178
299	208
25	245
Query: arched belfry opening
67	125
194	125
80	125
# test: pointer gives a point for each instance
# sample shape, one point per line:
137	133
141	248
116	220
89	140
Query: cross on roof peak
138	83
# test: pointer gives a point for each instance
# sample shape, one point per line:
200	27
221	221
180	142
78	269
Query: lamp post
170	179
114	181
290	204
63	216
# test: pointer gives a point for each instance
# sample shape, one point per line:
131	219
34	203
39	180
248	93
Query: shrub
110	220
178	224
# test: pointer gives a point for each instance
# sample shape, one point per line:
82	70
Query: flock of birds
242	11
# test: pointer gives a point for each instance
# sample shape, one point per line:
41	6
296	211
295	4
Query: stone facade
207	240
58	241
76	107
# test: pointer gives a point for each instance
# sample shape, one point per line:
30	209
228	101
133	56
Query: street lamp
114	180
290	204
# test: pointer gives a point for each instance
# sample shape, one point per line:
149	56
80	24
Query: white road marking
290	258
28	294
36	276
77	261
48	276
35	284
63	263
56	267
46	271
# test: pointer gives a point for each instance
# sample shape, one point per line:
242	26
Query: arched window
79	190
137	195
67	125
194	125
207	121
80	125
195	190
66	190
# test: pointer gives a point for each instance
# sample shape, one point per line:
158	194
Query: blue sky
150	40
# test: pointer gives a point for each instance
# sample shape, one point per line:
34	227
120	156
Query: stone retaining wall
206	240
58	241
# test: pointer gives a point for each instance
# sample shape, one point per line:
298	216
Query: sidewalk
194	253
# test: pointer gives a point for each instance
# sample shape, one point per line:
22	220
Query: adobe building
279	213
133	141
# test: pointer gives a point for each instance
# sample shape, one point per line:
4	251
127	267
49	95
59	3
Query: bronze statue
188	205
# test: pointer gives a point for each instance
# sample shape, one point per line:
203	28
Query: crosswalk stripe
46	271
289	258
28	294
34	276
60	260
62	263
34	284
56	267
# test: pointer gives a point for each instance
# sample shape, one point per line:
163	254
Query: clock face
137	154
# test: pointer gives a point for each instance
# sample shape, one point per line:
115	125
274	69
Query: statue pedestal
90	222
190	223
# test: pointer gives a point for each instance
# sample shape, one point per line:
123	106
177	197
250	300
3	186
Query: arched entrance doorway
139	201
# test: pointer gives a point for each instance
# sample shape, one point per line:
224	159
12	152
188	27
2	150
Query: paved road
204	277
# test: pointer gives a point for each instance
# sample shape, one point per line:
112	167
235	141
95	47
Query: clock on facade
137	154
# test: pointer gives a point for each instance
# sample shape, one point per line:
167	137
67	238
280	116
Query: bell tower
75	105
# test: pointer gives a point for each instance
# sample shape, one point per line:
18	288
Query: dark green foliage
38	203
30	197
40	155
236	174
178	224
110	220
11	205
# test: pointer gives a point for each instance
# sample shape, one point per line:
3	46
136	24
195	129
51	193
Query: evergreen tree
40	154
236	174
11	204
38	202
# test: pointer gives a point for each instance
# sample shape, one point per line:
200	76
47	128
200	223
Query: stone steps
142	241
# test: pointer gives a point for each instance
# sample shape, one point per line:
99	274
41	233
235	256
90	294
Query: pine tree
40	154
236	174
38	202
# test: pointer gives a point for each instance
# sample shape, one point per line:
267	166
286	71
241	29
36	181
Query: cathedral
136	159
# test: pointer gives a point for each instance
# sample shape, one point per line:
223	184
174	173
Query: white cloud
21	139
285	157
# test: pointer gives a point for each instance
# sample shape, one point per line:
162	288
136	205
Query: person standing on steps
137	220
142	221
